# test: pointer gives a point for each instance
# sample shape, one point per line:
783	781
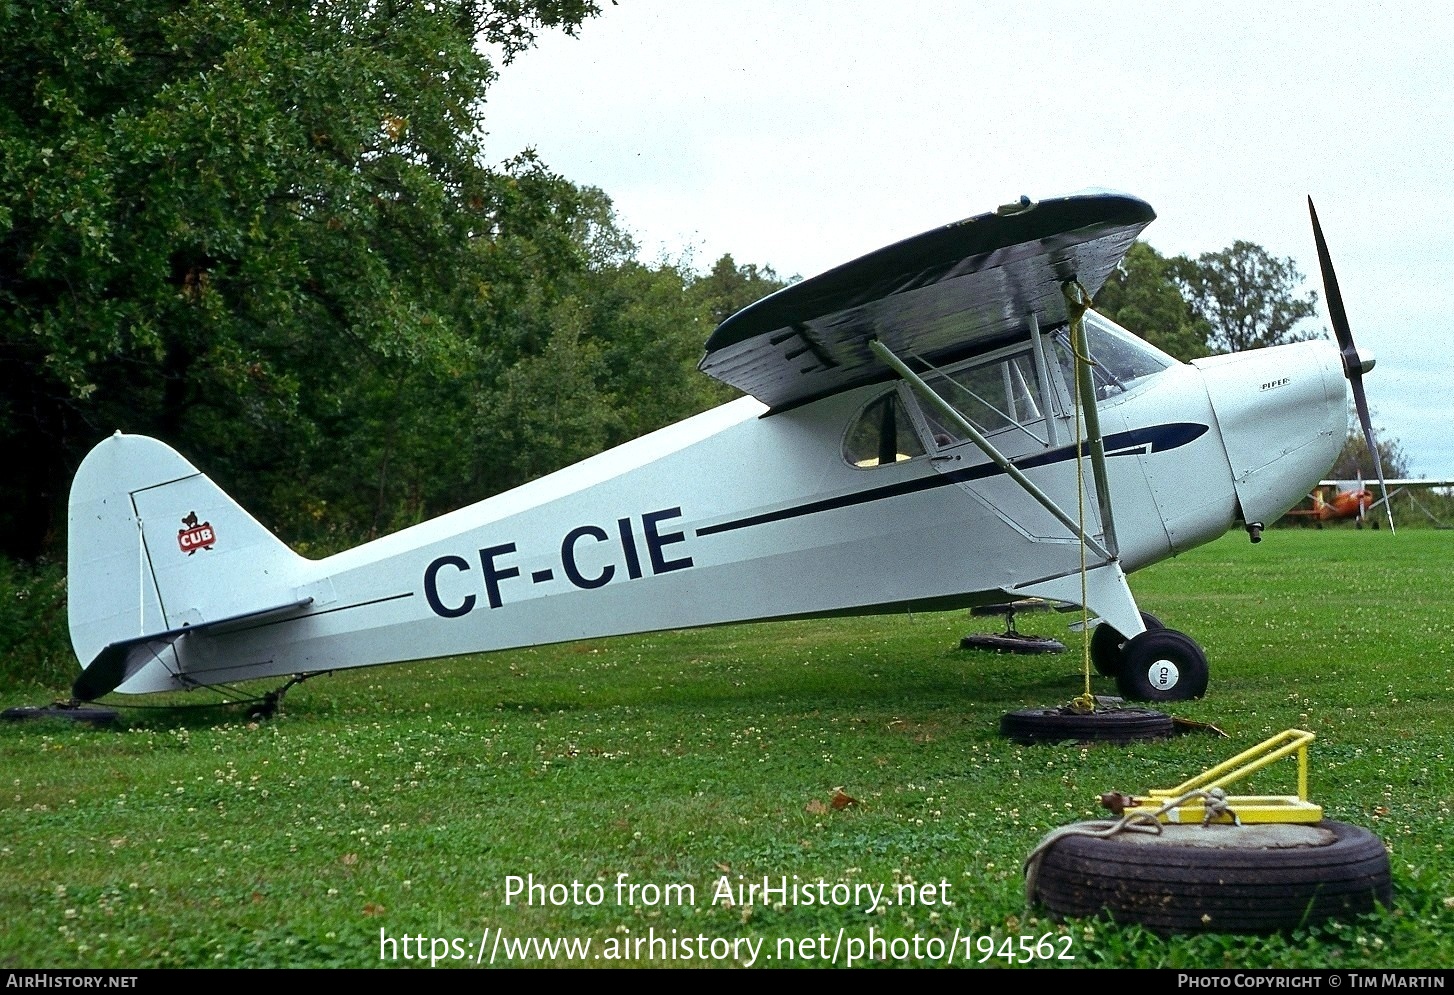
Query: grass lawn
400	801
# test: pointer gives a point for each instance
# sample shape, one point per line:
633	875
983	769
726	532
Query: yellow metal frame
1246	808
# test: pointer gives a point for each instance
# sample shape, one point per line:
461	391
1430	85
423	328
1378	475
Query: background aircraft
938	424
1351	500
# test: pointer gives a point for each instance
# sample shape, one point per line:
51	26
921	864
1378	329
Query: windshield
1121	359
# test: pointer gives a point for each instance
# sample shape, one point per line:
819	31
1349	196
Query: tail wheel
1106	645
1162	665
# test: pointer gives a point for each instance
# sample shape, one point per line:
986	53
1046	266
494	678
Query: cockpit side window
883	433
994	397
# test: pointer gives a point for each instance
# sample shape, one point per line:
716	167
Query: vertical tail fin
156	546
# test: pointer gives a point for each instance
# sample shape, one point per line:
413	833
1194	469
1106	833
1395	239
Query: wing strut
1042	370
1076	302
948	411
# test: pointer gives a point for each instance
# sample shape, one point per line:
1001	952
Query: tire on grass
1162	665
1218	879
1011	643
93	715
1057	725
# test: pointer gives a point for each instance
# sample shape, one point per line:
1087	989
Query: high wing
936	296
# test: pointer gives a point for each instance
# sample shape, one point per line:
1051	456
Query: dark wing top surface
937	295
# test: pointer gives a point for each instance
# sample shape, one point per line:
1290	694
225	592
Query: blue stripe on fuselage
1158	438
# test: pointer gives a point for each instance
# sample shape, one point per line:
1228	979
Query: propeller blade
1361	403
1341	331
1353	366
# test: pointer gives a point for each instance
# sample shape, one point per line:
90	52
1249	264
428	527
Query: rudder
155	546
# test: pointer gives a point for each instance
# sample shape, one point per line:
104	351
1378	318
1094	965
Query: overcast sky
804	135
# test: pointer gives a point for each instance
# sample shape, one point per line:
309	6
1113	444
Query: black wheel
1218	879
1106	643
1057	725
1162	665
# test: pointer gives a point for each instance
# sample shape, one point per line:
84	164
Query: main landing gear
1160	664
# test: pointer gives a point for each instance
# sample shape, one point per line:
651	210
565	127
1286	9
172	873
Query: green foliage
1355	460
35	646
595	357
1142	296
222	222
269	236
728	288
1248	297
1239	298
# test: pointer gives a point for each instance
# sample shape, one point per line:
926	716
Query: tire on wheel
1162	665
1106	643
1217	879
1058	725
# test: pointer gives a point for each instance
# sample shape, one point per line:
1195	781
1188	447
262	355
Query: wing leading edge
947	292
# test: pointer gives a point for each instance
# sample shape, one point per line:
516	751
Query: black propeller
1354	366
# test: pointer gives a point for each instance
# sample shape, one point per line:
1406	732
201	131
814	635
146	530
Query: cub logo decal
196	535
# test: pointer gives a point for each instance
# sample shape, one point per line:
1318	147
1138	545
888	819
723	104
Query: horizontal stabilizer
119	662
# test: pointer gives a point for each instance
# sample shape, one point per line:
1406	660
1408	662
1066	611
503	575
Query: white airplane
909	443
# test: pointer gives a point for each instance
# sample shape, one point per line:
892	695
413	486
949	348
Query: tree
620	362
728	288
240	224
1249	298
1142	297
1354	461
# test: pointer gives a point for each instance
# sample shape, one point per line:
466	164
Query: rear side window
883	433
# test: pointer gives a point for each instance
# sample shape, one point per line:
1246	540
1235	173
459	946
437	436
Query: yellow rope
1137	820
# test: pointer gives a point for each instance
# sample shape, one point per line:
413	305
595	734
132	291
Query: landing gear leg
1156	664
273	700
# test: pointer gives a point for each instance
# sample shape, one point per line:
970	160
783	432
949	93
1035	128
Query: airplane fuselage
739	514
